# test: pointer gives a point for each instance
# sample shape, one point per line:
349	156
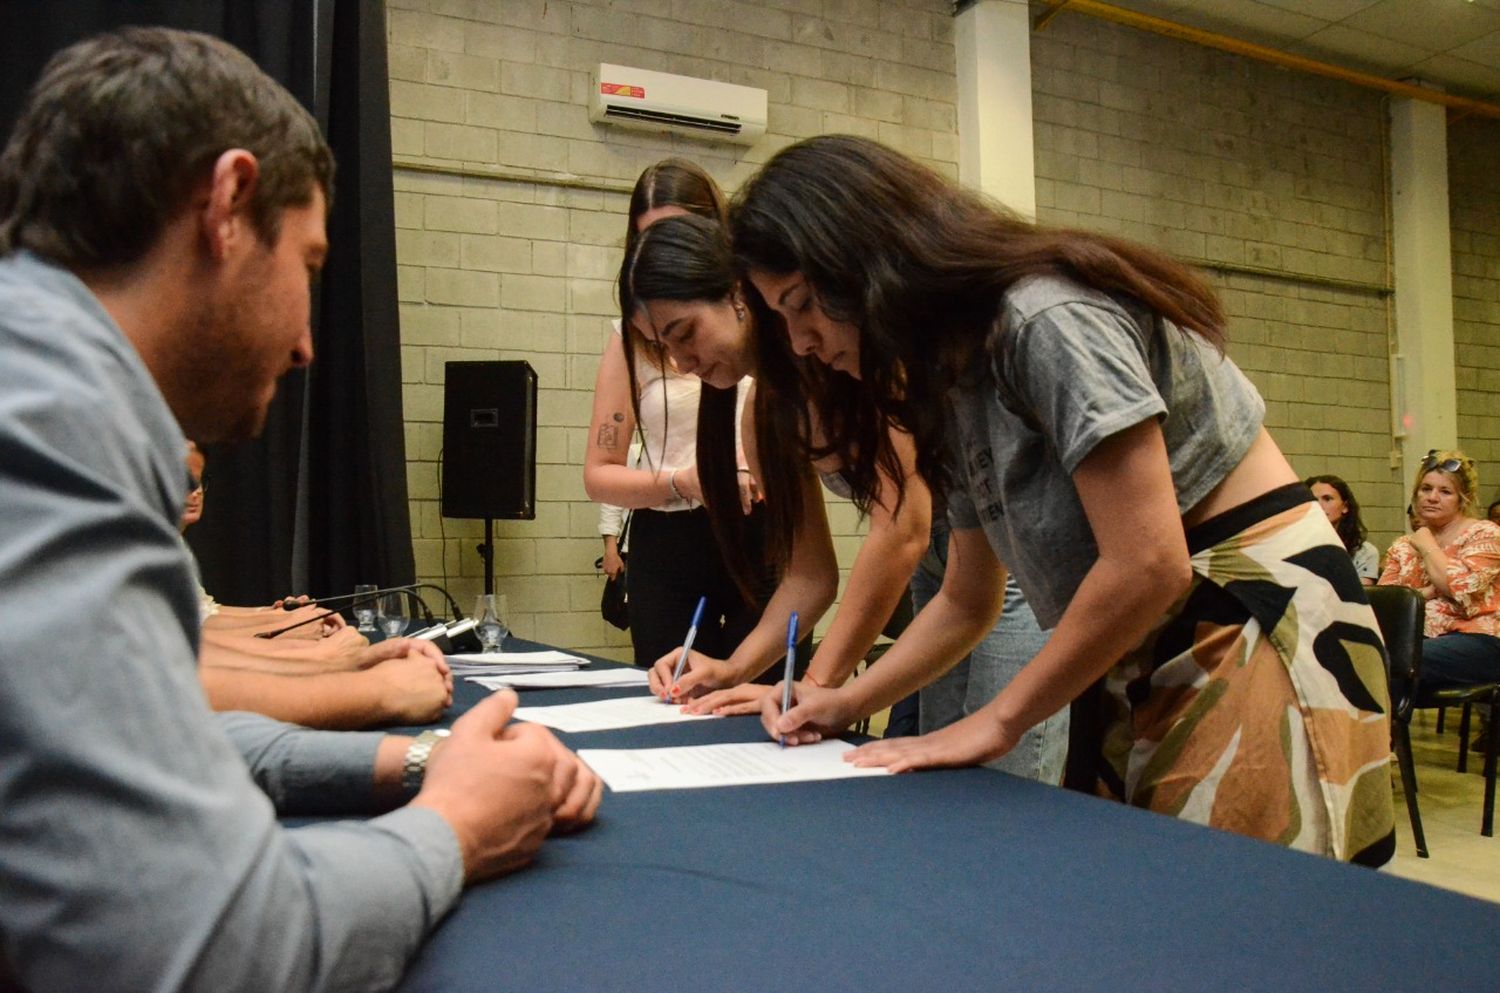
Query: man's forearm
335	701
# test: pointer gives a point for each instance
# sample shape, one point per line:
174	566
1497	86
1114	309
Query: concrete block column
992	44
1424	399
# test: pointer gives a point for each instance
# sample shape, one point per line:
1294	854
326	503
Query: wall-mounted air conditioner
660	101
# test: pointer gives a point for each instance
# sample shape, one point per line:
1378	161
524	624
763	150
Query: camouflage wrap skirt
1259	703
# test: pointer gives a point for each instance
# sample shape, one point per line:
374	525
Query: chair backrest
1400	611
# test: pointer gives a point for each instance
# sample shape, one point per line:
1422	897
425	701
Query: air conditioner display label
622	90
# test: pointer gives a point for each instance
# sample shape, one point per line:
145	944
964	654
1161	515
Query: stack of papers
565	679
512	663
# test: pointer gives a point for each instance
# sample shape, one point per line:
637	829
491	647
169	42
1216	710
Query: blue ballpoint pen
687	646
791	666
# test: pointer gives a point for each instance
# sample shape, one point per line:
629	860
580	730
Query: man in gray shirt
162	211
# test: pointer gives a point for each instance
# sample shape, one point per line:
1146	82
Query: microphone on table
456	636
356	600
290	604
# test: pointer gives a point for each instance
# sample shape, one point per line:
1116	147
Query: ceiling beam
1460	106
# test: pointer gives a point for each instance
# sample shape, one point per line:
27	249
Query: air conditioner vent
659	101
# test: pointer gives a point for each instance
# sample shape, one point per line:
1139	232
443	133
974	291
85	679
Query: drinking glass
391	612
364	607
489	620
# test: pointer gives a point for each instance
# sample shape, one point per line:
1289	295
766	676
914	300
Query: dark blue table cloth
954	880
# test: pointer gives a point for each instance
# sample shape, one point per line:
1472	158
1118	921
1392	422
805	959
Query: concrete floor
1451	804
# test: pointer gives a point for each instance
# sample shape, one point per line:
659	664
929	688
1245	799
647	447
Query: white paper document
562	680
698	766
604	715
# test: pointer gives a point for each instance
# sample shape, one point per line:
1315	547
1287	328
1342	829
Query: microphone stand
356	601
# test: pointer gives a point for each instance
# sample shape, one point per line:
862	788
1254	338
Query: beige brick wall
1272	180
510	218
1474	198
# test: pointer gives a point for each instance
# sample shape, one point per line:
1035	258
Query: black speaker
489	440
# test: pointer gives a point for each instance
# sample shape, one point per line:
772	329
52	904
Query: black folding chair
1399	610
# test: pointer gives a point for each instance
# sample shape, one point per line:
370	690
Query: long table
953	880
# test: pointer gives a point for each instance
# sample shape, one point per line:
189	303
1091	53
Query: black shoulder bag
614	603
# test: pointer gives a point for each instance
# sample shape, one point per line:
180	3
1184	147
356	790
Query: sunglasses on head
1447	465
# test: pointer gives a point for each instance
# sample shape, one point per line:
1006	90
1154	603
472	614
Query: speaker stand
487	552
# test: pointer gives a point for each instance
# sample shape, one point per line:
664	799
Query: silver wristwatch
417	753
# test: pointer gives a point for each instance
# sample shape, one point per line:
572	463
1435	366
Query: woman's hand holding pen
700	675
816	713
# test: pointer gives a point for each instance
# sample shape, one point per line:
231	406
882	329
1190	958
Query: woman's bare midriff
1262	470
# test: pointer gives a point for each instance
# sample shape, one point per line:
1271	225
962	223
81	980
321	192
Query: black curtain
318	503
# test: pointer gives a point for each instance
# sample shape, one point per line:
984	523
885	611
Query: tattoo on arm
609	437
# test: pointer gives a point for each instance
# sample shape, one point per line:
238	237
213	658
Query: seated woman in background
1454	560
1338	503
1494	512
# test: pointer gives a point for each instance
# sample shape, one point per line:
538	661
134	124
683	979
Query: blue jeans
1460	659
994	662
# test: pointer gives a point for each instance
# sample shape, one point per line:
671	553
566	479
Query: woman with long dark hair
1067	392
680	281
1342	511
639	393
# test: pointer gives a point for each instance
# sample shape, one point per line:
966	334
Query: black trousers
674	560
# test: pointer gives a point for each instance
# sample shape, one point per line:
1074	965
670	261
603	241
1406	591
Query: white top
669	422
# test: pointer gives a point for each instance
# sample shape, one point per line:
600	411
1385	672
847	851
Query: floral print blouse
1473	575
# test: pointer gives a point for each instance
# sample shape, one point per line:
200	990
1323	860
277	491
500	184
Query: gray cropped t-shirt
1070	366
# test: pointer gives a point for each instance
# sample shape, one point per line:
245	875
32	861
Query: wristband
808	677
672	485
744	468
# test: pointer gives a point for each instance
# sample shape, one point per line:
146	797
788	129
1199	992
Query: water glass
489	620
391	612
364	607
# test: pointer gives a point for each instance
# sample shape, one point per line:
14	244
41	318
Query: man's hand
310	629
576	789
412	689
344	649
416	685
495	786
